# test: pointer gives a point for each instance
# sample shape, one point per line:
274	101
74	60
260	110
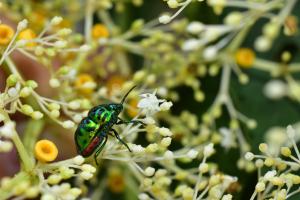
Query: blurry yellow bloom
37	19
6	34
291	25
116	182
65	23
115	82
132	111
27	34
81	81
45	151
100	31
245	57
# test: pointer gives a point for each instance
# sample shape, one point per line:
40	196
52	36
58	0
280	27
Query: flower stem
28	163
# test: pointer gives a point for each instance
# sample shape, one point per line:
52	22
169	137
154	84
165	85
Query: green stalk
28	163
31	133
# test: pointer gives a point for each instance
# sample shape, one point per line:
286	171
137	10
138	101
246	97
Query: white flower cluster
150	104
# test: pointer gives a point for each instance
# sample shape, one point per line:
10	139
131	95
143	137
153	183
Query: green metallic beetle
93	130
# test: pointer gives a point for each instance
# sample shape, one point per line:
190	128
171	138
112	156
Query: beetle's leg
99	149
118	137
121	121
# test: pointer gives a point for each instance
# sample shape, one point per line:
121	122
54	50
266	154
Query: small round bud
269	162
260	186
168	155
86	175
54	179
164	19
12	92
60	44
210	53
277	181
173	3
203	168
25	92
208	150
88	168
285	151
68	124
165	132
166	105
165	142
290	132
263	147
259	163
11	80
149	171
195	27
37	115
249	156
56	20
27	109
78	160
32	84
54	83
54	113
251	124
192	154
262	44
22	25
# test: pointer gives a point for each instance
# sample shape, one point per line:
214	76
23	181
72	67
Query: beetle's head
117	107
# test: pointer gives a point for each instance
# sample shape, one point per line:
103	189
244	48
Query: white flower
269	175
8	129
150	103
228	138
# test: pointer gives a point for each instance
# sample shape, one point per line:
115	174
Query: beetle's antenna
127	94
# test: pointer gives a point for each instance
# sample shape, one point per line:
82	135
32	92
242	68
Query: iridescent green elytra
92	132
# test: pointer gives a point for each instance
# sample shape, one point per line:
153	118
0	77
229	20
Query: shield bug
93	130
